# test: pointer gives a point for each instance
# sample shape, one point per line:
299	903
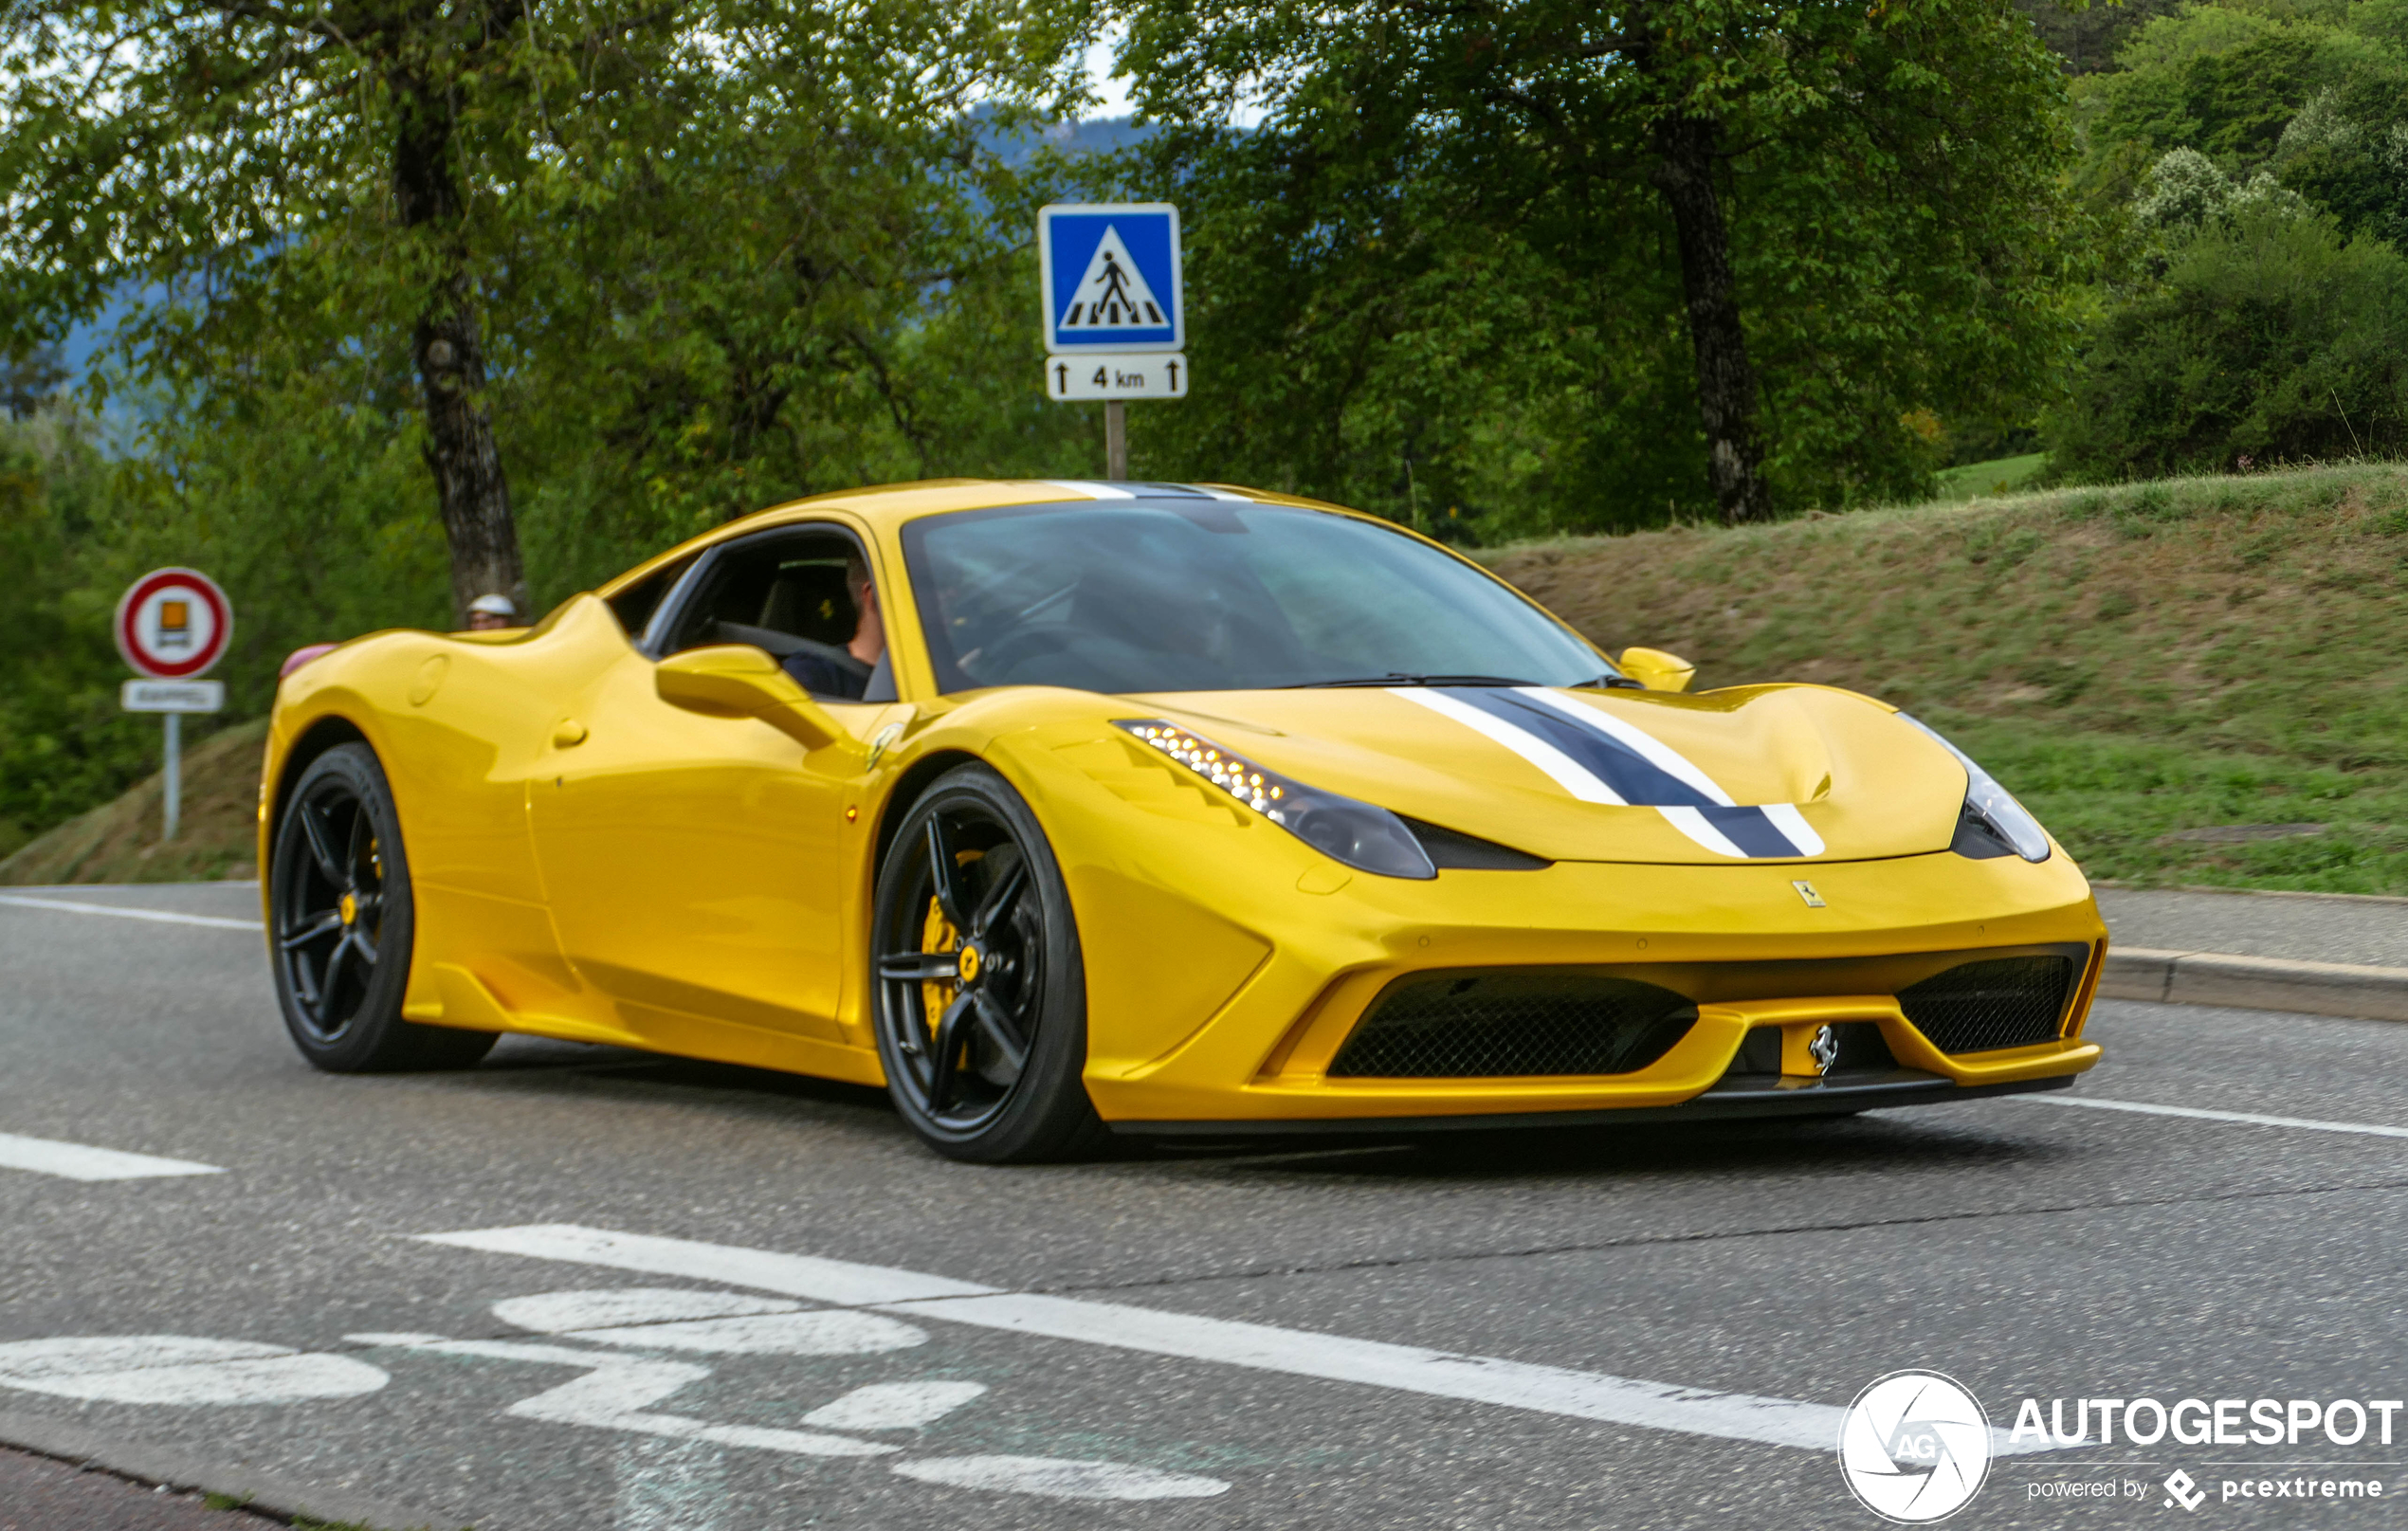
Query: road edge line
2347	990
267	1494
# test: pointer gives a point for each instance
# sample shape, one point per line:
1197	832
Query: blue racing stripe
1633	778
1750	830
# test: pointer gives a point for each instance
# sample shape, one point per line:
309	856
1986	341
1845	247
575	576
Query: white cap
494	606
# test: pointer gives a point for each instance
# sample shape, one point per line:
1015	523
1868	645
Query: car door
692	861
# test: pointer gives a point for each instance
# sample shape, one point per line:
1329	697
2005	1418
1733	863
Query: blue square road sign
1110	274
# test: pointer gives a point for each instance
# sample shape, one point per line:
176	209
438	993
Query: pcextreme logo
1914	1447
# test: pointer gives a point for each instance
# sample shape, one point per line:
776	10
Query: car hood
1761	772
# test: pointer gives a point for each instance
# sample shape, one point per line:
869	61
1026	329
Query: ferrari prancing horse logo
1806	891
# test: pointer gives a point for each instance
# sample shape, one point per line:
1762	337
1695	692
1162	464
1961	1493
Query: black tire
983	1057
344	923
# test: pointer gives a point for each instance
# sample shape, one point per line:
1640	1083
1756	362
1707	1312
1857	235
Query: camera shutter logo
1914	1447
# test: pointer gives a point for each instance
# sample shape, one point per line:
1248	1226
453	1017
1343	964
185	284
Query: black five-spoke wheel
981	1001
340	889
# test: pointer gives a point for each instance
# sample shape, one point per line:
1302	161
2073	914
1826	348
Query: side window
635	605
803	596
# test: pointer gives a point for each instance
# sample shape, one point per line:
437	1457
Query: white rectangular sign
174	695
1116	377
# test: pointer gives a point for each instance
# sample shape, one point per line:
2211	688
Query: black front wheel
344	918
981	1000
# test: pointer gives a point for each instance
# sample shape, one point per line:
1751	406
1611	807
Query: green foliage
63	744
1437	274
2268	339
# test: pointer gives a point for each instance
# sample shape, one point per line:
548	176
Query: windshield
1209	595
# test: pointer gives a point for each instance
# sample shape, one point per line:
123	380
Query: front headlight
1992	806
1362	835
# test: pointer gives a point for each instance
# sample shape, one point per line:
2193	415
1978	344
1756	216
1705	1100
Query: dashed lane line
164	916
76	1162
2252	1119
1551	1390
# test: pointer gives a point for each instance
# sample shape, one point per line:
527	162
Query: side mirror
738	680
1657	670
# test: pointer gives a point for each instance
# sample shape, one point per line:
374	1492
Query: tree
1787	155
312	181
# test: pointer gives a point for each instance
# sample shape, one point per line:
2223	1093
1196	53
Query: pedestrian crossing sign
1110	274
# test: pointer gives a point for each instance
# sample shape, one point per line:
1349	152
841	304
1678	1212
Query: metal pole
1116	440
175	783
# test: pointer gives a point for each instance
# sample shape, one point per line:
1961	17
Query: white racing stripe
1551	1390
1698	827
164	916
2246	1117
1568	773
1637	740
74	1161
1792	823
1090	488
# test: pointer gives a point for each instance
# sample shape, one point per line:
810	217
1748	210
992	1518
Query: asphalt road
2025	1248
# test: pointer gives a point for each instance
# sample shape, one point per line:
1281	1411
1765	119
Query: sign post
1115	327
171	625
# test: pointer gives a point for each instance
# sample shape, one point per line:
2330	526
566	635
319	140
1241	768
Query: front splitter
1733	1098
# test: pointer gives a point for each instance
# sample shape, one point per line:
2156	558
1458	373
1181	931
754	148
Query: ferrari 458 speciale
1068	810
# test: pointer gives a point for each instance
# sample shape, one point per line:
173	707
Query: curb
2365	994
261	1493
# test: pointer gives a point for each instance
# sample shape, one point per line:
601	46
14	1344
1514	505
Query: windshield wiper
1605	681
1399	678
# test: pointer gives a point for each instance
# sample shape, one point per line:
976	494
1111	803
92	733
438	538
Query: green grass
2132	660
2001	475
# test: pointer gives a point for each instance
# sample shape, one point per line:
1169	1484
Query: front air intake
1501	1025
2003	1002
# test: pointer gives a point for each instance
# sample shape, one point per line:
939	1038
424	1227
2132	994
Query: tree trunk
447	345
1725	380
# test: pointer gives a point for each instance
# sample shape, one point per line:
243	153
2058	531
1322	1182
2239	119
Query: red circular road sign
173	623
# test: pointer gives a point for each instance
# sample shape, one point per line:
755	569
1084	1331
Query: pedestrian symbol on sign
1112	295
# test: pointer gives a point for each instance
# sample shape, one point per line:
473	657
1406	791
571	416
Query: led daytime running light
1265	792
1362	835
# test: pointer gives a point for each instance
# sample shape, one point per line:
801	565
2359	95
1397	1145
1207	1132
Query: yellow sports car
1065	809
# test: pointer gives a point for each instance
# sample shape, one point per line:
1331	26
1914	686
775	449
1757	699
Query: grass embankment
2181	678
119	842
2200	680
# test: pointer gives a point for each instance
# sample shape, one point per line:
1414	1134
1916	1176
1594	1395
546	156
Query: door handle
567	733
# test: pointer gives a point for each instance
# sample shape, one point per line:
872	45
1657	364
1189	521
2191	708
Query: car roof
890	505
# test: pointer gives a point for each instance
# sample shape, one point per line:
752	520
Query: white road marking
74	1161
722	1324
1260	1347
1058	1479
894	1405
2249	1118
164	916
180	1369
615	1394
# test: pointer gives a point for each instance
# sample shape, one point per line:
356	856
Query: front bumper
1238	1033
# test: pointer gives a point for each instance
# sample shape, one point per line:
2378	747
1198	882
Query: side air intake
1493	1025
2003	1002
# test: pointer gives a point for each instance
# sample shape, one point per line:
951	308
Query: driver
845	672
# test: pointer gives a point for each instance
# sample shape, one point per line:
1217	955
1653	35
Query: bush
2268	339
